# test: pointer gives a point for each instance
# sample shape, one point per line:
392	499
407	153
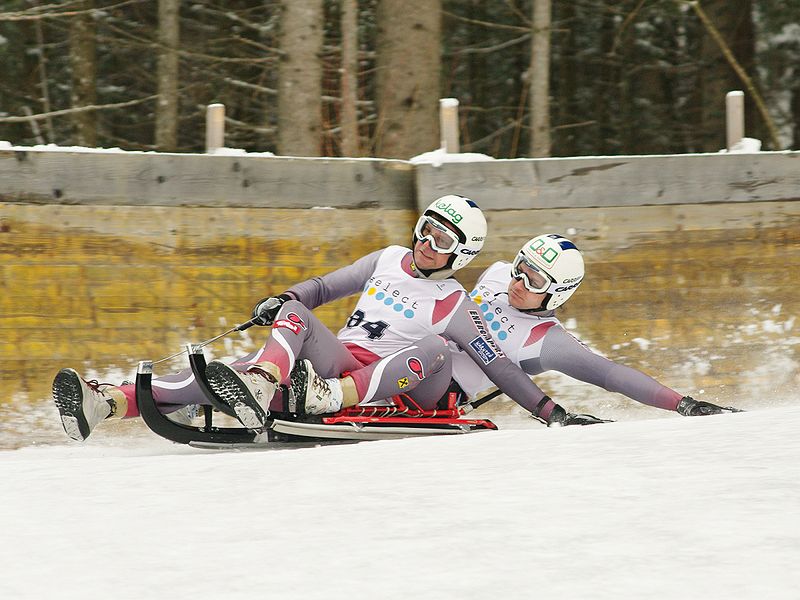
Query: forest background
364	77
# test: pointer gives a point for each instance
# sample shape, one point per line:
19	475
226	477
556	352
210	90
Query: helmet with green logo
559	260
454	225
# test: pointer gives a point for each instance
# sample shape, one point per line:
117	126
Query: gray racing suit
537	342
395	341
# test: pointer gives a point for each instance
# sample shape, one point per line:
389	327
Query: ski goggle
533	278
441	239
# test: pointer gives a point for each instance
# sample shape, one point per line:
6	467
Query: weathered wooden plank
615	181
150	179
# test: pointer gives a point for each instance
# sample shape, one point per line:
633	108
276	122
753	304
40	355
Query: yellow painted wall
669	289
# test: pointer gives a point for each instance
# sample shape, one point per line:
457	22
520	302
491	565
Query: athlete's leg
422	371
249	386
296	334
172	391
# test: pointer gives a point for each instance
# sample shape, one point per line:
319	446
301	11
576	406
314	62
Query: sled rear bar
176	432
197	361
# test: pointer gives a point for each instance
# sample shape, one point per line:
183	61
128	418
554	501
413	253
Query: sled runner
402	419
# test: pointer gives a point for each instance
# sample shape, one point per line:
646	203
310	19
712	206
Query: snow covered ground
648	508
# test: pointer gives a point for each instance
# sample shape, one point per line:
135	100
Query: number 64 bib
396	308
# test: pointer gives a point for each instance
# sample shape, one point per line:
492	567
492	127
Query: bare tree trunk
84	73
539	97
168	41
795	111
607	91
566	81
349	114
300	78
645	94
44	80
408	79
734	20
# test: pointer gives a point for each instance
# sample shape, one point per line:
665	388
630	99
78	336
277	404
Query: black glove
561	418
266	310
583	419
557	416
689	407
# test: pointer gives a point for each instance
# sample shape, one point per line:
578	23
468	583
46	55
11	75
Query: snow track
661	508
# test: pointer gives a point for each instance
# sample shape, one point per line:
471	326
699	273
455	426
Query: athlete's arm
337	284
564	353
468	329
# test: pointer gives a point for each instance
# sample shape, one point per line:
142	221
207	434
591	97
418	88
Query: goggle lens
532	277
441	239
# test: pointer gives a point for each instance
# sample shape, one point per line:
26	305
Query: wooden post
448	124
734	118
215	127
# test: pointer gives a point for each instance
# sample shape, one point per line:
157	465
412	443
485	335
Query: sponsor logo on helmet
567	288
449	210
477	238
469	252
572	280
548	255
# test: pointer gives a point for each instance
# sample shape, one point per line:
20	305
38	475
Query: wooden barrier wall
669	288
151	179
616	180
102	287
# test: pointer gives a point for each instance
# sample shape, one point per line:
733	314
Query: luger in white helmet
463	244
559	260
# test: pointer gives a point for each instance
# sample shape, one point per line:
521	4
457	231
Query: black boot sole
230	389
68	396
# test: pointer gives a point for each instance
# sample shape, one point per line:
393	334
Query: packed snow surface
671	507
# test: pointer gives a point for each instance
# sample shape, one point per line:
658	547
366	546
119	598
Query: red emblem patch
415	366
293	322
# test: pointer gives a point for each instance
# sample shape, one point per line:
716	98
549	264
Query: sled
403	418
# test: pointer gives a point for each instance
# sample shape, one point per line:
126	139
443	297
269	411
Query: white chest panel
396	309
518	334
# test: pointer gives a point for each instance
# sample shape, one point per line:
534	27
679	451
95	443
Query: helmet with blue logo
555	263
453	225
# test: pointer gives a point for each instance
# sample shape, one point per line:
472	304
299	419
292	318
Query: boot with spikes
83	404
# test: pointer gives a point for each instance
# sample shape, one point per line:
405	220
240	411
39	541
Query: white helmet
559	260
460	214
